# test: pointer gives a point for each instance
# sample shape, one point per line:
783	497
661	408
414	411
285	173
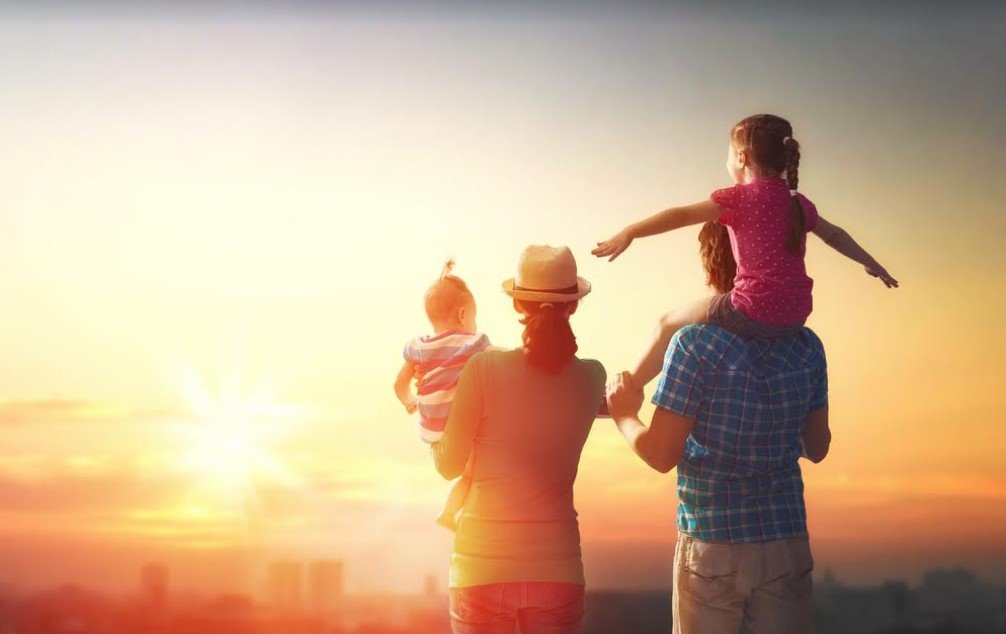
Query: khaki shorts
720	585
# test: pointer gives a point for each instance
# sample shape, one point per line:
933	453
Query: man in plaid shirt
735	414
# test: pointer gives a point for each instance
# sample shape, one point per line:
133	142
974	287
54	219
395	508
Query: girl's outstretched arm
661	222
838	238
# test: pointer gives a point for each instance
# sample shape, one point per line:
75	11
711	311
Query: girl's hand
613	247
410	405
624	398
880	272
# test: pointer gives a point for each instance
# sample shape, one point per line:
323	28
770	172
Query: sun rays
229	446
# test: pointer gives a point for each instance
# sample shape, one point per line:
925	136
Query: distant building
154	584
952	590
947	589
843	609
431	589
826	588
286	585
326	586
66	609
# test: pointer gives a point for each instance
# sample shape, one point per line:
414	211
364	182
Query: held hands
624	397
614	246
880	272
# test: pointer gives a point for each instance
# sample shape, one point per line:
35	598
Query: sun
227	453
229	444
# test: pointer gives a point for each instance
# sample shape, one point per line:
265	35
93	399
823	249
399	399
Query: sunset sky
217	225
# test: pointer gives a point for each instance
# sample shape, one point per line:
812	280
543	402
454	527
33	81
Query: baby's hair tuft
448	268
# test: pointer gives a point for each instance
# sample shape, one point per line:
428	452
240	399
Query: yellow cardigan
525	429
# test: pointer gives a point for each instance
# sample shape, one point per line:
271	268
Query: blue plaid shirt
738	480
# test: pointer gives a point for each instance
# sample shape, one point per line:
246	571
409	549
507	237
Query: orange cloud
66	410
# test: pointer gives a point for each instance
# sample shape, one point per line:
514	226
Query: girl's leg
652	361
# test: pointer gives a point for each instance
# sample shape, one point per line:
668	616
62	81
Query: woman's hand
624	398
615	246
880	272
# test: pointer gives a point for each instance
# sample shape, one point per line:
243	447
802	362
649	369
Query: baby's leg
456	498
455	502
652	360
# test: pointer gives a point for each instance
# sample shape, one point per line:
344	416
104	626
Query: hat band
569	290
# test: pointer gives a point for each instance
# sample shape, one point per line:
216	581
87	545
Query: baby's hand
613	247
885	277
410	405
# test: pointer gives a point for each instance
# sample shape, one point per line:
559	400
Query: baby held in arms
439	358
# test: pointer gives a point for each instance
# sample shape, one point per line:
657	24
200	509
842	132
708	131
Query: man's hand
624	398
880	272
615	246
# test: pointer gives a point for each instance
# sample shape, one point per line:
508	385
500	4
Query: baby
439	358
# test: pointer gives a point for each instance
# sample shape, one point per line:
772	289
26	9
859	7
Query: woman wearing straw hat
524	414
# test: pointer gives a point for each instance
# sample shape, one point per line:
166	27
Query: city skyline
946	600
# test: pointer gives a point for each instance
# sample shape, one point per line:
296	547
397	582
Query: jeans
765	585
540	607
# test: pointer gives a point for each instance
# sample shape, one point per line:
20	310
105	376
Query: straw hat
546	274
